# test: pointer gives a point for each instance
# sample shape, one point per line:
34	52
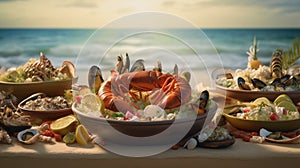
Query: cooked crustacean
9	114
276	64
39	70
165	90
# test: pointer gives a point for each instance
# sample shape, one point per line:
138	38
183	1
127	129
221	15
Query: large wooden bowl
142	132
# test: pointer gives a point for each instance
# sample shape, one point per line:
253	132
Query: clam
28	136
242	84
258	83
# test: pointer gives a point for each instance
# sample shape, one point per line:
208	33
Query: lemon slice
82	135
281	98
289	106
91	104
260	100
64	125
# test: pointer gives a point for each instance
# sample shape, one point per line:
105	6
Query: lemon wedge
82	135
282	97
289	106
260	100
64	125
91	104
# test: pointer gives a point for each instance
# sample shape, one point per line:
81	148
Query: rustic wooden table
240	154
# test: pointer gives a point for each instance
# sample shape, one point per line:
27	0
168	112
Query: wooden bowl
248	95
23	90
254	125
39	116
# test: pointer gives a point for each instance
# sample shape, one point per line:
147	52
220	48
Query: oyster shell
28	136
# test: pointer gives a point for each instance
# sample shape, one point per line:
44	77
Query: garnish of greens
291	56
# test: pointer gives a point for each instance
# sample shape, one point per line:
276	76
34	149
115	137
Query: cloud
288	6
168	3
82	4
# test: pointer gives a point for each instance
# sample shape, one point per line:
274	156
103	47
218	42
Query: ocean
190	49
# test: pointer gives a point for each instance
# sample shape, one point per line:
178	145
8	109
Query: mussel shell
242	84
95	78
138	66
258	83
203	99
277	83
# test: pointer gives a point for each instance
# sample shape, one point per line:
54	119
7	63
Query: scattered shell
28	136
191	144
264	133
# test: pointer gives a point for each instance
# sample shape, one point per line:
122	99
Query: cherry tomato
48	133
245	137
175	147
246	110
254	134
273	117
58	137
284	112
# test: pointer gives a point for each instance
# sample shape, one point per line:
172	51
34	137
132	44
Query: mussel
203	99
242	84
258	83
95	78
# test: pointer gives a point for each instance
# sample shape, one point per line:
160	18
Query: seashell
119	64
68	68
126	66
138	66
242	84
264	133
186	75
175	70
28	136
95	78
191	144
258	83
203	99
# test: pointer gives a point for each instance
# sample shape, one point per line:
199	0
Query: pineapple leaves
291	56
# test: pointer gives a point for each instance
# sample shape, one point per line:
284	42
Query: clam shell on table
266	134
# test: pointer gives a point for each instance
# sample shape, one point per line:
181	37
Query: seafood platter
141	103
282	76
269	95
37	75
